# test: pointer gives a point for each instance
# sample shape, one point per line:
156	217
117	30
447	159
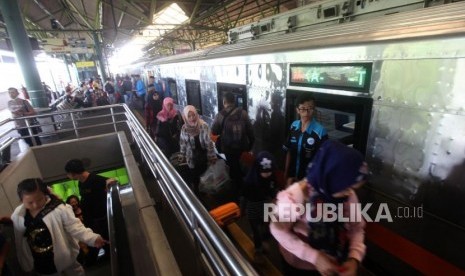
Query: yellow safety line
264	266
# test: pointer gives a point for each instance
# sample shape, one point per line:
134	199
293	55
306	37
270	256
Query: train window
193	94
346	118
330	12
239	92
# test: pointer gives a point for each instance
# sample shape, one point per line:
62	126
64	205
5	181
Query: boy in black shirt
93	190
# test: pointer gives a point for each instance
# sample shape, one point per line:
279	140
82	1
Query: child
75	204
259	188
46	232
328	247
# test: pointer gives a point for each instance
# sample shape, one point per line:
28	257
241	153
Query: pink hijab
165	114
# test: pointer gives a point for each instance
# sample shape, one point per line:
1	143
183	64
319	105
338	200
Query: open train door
342	99
239	91
346	118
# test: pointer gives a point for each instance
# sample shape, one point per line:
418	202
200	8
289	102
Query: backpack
233	136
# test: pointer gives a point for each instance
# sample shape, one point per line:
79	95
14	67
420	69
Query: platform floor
268	263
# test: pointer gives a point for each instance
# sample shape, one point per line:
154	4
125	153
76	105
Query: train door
346	118
193	94
239	92
171	89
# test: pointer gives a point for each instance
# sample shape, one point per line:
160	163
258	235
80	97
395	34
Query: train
391	86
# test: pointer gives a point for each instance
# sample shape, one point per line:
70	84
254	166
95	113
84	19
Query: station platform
238	232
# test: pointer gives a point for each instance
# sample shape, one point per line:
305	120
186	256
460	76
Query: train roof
445	20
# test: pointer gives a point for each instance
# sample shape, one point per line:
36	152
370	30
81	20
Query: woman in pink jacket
312	242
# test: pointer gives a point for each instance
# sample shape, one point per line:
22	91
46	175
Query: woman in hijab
168	127
153	105
327	246
196	146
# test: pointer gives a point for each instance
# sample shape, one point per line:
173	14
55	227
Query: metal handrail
73	120
111	231
222	255
191	209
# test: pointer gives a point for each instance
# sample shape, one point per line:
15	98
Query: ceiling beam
113	17
211	11
134	10
83	7
259	8
120	19
128	13
153	9
75	9
39	33
99	15
50	15
194	11
47	16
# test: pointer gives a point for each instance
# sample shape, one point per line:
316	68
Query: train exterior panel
412	128
318	15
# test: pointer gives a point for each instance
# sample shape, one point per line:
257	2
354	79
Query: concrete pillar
98	51
23	50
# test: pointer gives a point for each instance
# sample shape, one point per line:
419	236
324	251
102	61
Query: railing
222	256
121	261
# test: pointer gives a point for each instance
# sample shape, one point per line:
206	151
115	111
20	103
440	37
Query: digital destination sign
347	76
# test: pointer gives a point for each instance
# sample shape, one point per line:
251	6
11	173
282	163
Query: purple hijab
335	168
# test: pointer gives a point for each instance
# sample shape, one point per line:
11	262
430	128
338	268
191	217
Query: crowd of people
97	92
316	169
90	93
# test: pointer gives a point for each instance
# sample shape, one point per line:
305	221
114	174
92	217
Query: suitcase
226	213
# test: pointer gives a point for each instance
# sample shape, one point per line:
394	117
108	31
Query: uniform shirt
303	146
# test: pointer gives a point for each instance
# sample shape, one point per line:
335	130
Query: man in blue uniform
304	139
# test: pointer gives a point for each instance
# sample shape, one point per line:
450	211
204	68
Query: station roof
116	22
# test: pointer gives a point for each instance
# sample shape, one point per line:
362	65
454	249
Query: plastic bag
215	178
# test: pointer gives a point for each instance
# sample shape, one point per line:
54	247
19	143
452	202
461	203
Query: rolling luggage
226	213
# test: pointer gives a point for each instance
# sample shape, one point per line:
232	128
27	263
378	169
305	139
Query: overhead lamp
54	23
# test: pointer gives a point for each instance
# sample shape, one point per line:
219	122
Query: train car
392	87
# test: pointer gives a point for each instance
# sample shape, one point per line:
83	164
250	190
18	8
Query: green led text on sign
333	76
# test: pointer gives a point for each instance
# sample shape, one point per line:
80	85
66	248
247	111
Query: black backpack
233	136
